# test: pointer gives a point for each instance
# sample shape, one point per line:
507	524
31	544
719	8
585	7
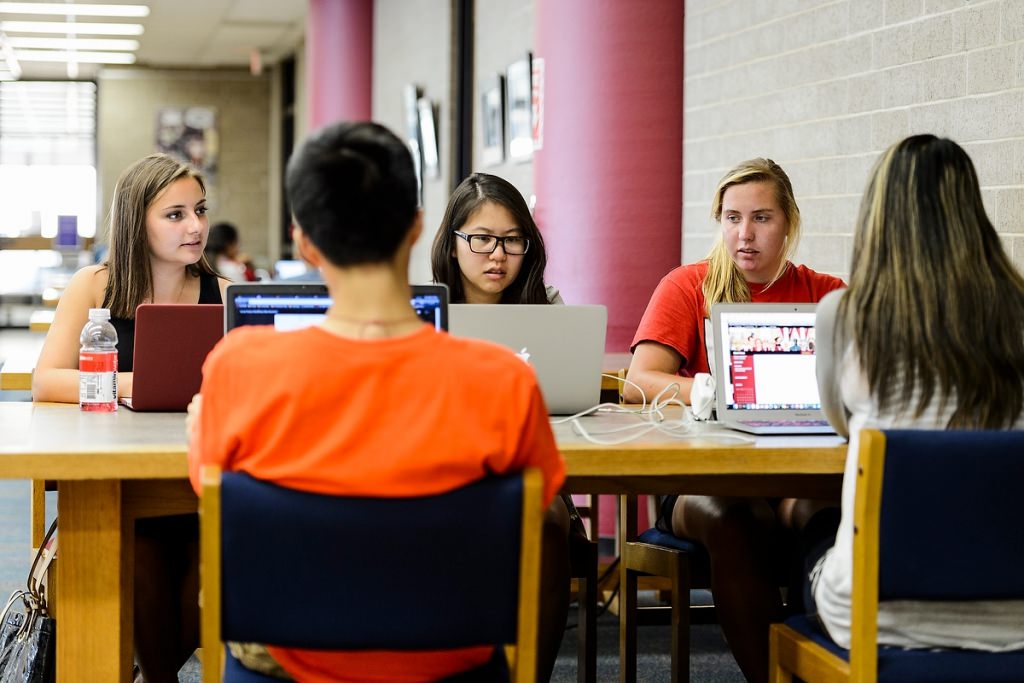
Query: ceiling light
74	43
78	28
69	9
82	57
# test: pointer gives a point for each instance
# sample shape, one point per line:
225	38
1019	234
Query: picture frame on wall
492	128
519	109
428	138
411	94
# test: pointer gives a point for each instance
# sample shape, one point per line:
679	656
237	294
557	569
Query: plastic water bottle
97	363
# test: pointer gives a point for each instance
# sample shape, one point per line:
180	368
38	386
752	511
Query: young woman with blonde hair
929	335
760	221
158	228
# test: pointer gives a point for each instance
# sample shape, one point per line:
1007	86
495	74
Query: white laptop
565	345
765	379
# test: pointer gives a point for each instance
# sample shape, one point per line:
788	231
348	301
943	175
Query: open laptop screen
290	306
768	357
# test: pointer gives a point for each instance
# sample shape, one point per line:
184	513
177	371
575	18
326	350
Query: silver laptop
765	379
565	345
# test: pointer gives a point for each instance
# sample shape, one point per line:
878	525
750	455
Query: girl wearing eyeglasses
488	250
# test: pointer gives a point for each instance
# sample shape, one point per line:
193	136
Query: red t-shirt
676	315
406	416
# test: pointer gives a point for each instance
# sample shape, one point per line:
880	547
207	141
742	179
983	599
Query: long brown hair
724	282
471	194
934	303
129	274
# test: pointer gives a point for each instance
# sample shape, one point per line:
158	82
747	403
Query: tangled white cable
650	418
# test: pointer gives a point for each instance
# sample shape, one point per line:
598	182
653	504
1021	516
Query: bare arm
654	367
56	373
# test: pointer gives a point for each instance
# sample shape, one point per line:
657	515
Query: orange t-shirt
676	315
406	416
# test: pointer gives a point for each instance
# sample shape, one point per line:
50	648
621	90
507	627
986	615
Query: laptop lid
294	305
765	380
171	343
565	345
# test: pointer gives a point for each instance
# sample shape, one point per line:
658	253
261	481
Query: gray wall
412	44
126	123
823	86
503	34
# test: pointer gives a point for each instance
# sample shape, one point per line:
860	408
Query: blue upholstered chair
298	569
937	517
684	563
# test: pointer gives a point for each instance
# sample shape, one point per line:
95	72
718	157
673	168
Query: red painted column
608	178
339	60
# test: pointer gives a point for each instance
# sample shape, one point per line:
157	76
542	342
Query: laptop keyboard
784	423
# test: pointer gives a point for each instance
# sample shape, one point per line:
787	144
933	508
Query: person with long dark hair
929	335
488	249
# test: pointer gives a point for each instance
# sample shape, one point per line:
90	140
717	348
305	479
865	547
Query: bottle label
97	377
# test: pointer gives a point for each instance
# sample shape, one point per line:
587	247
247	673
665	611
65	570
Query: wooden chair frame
794	654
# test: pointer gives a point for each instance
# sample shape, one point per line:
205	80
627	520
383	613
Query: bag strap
40	566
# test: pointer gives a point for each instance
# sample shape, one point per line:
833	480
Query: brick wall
822	87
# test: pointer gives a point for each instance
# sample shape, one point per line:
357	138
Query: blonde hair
724	281
934	303
129	275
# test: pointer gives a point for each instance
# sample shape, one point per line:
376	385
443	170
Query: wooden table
111	469
16	373
114	468
40	321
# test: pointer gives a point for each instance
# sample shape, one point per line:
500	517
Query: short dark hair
470	195
222	235
352	189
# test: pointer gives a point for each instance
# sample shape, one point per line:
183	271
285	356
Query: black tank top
209	293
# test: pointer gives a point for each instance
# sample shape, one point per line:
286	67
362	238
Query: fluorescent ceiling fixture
69	9
74	43
82	57
78	28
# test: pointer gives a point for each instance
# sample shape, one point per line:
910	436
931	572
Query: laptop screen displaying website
294	306
768	358
771	367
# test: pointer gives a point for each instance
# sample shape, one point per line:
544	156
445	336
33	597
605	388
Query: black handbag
28	634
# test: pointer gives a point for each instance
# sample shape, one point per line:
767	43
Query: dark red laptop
171	343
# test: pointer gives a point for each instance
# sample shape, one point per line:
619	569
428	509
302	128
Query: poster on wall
518	100
411	94
428	138
189	134
492	108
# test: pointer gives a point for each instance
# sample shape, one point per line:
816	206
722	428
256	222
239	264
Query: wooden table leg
95	574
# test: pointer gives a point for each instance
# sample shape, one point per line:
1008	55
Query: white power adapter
702	396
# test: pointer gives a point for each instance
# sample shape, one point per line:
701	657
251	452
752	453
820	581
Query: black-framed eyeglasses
513	245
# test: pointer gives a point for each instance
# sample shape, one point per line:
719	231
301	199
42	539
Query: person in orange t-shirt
760	221
372	401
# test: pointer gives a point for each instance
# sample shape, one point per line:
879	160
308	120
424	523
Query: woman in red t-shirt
760	221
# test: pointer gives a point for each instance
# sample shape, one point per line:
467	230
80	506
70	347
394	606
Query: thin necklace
181	291
184	281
